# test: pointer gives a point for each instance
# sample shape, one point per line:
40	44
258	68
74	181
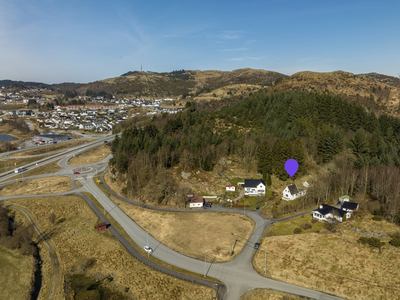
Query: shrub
395	242
363	240
373	242
314	221
306	226
377	218
297	230
378	212
331	226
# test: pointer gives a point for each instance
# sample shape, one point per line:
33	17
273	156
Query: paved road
238	274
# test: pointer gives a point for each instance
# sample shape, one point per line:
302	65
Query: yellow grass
47	185
16	274
264	294
287	227
46	169
11	164
51	148
92	156
336	263
74	233
213	230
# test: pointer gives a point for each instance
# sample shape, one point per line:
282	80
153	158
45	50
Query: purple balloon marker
291	166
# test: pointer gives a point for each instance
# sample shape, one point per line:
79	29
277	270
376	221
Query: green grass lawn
255	201
287	227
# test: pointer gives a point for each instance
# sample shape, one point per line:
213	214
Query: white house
231	188
344	198
196	201
291	192
254	187
330	213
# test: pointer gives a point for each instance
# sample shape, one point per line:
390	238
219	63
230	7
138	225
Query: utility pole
265	270
232	242
205	264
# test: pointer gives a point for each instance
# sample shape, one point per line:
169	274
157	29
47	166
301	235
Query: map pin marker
291	166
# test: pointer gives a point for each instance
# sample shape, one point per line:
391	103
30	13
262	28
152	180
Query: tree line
261	132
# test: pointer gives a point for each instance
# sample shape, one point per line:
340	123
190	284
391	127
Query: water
7	138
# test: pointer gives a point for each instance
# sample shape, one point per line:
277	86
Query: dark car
256	245
207	205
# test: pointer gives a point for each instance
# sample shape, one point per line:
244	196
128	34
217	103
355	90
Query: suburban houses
292	192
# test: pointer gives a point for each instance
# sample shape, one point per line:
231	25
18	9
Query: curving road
238	275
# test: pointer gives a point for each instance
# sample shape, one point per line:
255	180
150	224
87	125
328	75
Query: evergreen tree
264	158
299	155
359	144
281	152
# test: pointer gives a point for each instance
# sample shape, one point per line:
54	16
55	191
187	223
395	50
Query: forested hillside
263	131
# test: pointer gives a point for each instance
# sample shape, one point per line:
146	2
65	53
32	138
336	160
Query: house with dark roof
330	213
254	187
292	192
349	206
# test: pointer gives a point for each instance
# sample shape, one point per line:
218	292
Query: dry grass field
213	230
335	262
38	186
264	294
46	169
74	233
11	164
16	274
92	156
51	148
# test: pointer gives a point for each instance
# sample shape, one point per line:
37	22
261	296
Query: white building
254	187
196	201
291	192
231	188
330	213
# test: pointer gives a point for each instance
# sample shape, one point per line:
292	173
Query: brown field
11	164
264	294
74	232
92	156
211	227
335	262
51	148
38	186
16	274
46	169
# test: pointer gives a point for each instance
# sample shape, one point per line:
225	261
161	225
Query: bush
331	226
297	230
314	221
395	242
377	218
306	226
373	242
378	212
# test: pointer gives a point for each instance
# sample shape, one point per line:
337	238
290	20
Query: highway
238	275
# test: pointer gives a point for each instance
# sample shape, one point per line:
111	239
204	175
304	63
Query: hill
178	83
376	91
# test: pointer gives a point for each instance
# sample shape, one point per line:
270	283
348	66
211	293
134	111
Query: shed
101	226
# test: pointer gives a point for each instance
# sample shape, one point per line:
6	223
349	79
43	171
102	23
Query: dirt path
53	254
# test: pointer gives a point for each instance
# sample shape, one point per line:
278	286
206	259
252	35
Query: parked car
207	205
75	173
256	245
148	249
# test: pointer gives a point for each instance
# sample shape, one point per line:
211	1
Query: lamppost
265	269
205	264
232	242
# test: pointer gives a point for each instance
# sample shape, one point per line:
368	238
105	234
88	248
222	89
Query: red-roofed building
196	201
231	188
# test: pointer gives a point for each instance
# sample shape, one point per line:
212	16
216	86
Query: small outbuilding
196	201
231	188
101	226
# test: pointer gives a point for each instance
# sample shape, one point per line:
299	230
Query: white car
148	249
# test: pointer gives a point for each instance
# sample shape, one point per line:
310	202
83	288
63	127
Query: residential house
196	201
292	192
330	213
254	187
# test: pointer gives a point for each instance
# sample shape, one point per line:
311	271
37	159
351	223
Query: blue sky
82	41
